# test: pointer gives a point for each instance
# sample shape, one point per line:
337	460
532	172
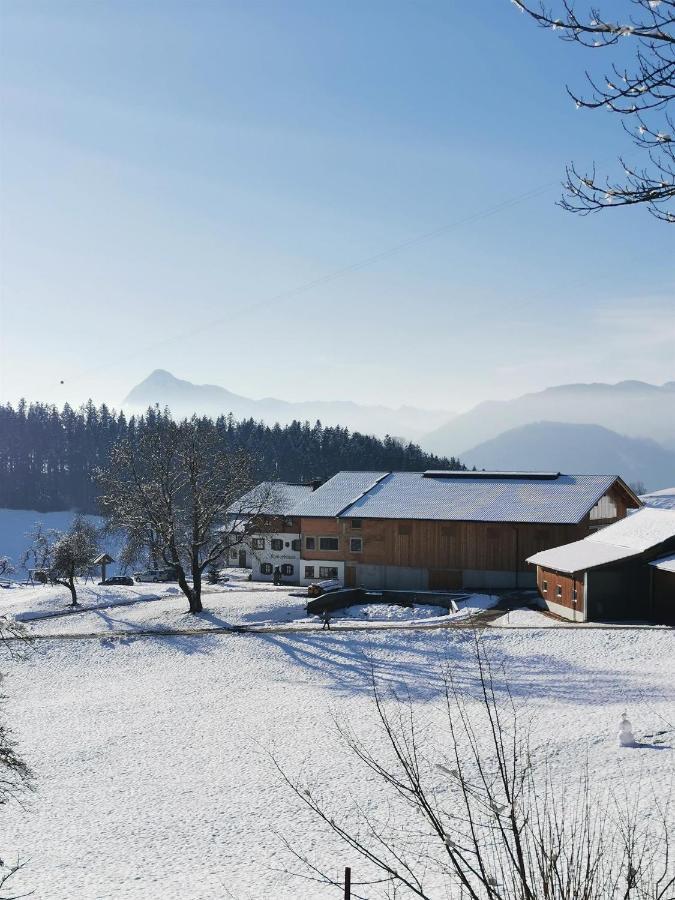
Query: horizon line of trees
49	456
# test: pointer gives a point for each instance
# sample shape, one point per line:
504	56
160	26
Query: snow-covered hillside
153	779
16	523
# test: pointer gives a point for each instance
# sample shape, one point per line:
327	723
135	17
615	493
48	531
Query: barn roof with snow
529	497
338	493
646	530
274	497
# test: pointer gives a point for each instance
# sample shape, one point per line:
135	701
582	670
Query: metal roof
499	476
565	499
337	493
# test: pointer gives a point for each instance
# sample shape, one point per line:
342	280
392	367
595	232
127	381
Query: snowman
625	735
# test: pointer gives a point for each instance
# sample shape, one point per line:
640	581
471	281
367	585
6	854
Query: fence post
348	883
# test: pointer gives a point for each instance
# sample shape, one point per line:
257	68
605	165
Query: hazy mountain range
627	428
582	449
184	398
632	408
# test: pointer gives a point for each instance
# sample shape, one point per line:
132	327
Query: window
328	572
266	569
558	591
356	545
277	544
329	543
287	569
356	523
258	543
296	545
310	543
309	571
234	554
288	524
544	587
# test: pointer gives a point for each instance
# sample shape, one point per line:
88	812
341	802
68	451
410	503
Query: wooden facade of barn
614	575
372	543
433	555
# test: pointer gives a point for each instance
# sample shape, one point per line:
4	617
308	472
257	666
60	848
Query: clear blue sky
168	165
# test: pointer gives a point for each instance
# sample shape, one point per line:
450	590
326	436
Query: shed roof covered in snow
647	529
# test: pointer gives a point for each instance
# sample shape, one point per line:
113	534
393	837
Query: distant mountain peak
184	398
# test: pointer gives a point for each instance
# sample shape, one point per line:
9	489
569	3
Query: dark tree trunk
196	601
185	588
68	582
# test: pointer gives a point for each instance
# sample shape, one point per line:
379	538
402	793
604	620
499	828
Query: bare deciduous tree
478	813
73	554
63	556
177	490
639	87
6	567
36	557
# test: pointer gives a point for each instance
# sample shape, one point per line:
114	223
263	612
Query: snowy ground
236	603
152	776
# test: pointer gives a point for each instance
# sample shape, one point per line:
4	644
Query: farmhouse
624	571
439	530
278	544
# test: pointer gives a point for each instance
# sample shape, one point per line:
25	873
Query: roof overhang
664	563
579	556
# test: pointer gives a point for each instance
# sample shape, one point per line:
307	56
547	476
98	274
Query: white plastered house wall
280	549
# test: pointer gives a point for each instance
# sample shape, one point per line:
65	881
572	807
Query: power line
329	277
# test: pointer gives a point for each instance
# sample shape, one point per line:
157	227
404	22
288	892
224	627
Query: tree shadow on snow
413	663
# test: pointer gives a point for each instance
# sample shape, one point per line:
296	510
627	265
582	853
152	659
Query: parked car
119	579
317	588
156	575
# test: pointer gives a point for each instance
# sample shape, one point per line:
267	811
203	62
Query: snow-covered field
150	752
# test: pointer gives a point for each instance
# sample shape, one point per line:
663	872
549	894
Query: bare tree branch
497	826
640	91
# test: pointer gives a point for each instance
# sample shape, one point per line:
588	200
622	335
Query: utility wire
329	277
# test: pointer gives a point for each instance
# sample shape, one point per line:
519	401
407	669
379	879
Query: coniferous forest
48	456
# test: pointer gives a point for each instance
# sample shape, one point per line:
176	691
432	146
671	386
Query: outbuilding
625	571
